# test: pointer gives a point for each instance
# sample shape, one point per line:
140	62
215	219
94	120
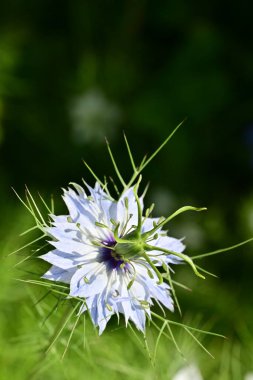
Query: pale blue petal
138	316
103	315
59	218
80	288
92	306
62	259
103	201
80	212
149	224
156	291
99	313
64	231
161	293
79	189
170	244
59	274
139	290
119	212
87	272
72	246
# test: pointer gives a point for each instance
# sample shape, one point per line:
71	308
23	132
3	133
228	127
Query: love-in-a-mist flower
111	255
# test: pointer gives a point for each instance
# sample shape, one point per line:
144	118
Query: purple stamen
109	256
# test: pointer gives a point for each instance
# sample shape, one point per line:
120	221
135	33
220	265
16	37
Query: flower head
113	255
110	254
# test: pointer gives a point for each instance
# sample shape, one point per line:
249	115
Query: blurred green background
73	72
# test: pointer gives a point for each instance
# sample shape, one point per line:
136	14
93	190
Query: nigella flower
111	255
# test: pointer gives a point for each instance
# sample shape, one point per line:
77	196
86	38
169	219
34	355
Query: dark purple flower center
108	256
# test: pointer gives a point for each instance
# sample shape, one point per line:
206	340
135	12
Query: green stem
144	163
179	211
181	255
115	166
159	275
138	207
221	250
186	326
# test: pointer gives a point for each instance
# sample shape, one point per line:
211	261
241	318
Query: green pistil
129	248
116	256
132	249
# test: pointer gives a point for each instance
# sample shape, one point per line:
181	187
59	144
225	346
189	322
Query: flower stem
181	255
159	275
179	211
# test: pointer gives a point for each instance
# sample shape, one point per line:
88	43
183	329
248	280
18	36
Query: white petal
103	315
64	231
59	218
139	290
156	291
138	316
59	274
161	293
72	246
149	224
170	243
62	259
102	200
99	313
88	271
96	285
81	212
120	213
